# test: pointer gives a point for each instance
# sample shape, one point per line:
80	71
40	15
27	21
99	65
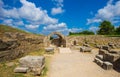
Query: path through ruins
77	64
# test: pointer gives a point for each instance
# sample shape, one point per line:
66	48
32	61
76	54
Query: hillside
5	28
15	43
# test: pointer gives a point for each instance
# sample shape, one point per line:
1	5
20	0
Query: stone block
107	65
111	57
102	52
85	49
106	47
49	49
21	69
98	61
99	57
32	61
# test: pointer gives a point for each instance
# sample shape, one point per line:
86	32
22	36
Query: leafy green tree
117	31
106	28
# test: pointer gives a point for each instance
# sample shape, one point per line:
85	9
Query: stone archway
61	41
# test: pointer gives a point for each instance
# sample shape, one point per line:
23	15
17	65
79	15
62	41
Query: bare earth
77	64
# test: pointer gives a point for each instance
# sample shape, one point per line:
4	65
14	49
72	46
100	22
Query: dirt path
77	64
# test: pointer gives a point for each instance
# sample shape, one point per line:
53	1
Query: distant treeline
105	28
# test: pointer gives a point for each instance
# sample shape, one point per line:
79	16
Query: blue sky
46	16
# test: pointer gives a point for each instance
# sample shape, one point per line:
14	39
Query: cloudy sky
45	16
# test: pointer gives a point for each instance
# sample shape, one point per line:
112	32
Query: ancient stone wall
93	40
14	45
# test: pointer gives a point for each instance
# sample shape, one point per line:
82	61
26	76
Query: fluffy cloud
29	12
59	7
13	22
110	12
32	26
60	27
58	10
55	27
93	28
75	30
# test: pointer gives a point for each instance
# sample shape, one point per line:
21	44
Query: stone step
21	69
98	61
99	57
107	65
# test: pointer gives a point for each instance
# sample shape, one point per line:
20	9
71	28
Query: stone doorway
56	39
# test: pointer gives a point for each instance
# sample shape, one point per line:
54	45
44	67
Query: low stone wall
93	40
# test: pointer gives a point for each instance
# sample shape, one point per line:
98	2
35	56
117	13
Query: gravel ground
77	64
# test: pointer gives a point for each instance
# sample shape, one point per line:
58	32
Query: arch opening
56	39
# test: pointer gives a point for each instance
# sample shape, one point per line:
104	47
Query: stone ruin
85	48
59	42
34	64
108	58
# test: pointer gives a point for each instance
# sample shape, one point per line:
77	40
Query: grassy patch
37	53
8	71
4	28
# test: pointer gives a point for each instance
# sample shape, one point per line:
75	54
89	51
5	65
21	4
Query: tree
106	28
117	31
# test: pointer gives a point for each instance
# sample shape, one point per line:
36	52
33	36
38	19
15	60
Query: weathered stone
3	45
114	51
37	71
106	47
32	61
86	45
116	64
98	61
111	57
49	49
111	45
102	52
12	44
99	57
85	49
107	65
21	69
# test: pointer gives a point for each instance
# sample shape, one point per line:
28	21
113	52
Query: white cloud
8	22
60	27
29	12
59	7
12	22
75	30
109	12
32	26
93	28
55	27
58	10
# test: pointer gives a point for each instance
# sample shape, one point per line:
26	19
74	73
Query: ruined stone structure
61	41
92	40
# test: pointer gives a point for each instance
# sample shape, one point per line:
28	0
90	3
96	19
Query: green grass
5	28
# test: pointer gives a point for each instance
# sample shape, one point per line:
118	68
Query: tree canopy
117	31
106	28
